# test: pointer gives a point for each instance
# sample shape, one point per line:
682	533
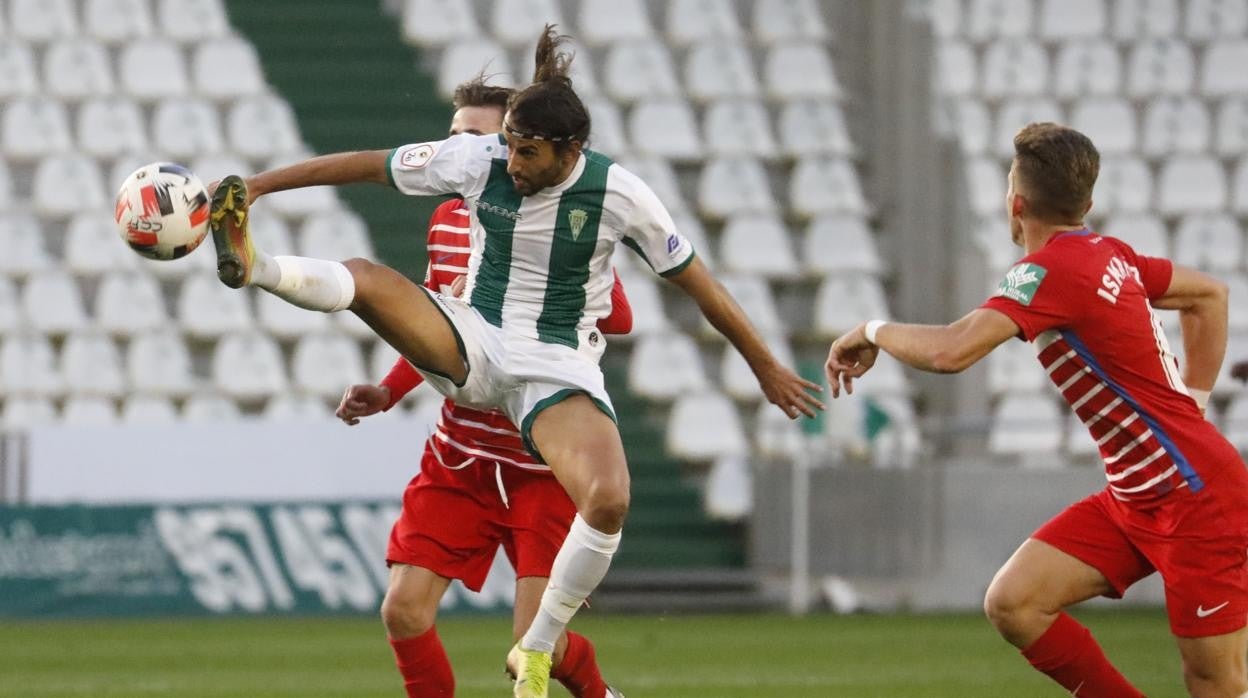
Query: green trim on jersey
680	267
497	199
390	170
632	245
526	423
574	241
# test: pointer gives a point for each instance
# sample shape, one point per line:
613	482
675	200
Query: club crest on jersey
417	156
1021	282
577	218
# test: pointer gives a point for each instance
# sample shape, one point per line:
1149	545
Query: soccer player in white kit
545	215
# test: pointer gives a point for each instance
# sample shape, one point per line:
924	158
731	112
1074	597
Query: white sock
314	284
581	564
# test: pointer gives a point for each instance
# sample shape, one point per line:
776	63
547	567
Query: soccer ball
162	211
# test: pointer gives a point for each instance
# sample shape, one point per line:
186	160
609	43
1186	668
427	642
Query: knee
404	618
606	505
1208	679
1005	606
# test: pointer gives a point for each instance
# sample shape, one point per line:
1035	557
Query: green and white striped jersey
541	264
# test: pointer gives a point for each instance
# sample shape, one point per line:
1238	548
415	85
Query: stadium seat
438	22
665	366
52	303
690	226
986	181
158	363
1232	127
1239	195
153	69
799	70
1237	305
1213	242
729	491
128	303
464	60
992	236
1067	19
813	127
608	127
42	21
192	21
519	22
210	409
1144	232
606	21
338	235
993	19
1017	113
23	413
1210	19
1124	185
1145	19
381	359
659	175
1078	441
665	127
10	307
1085	68
424	415
21	238
734	185
822	185
1109	122
779	21
741	127
970	123
649	317
262	126
28	367
148	410
1015	67
35	127
1235	423
584	77
207	308
1027	425
1191	184
91	365
298	203
1160	67
775	436
754	296
77	69
1013	368
187	127
248	366
226	69
7	195
736	377
324	365
17	70
720	69
638	70
690	21
116	21
844	301
297	408
836	244
213	166
757	244
287	321
350	324
110	127
72	172
1176	125
270	231
957	73
1224	72
704	426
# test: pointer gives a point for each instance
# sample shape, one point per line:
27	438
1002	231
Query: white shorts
519	375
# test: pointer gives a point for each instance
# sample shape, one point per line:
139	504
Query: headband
532	135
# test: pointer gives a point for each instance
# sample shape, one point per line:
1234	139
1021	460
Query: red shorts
1198	541
454	520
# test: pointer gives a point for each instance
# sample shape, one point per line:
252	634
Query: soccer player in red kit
478	487
1177	495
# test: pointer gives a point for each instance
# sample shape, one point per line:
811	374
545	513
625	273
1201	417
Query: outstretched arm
936	348
339	168
1202	304
782	386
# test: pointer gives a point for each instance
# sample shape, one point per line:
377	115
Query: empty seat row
115	21
1058	20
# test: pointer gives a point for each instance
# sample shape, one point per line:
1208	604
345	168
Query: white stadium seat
60	174
75	69
608	127
1137	19
40	21
732	185
1109	122
21	238
339	235
971	124
7	196
1224	72
1232	128
297	408
606	21
1209	19
24	412
1144	232
992	237
796	70
584	77
729	492
10	308
736	377
110	127
1239	195
754	296
298	203
28	367
1237	305
1013	368
270	231
1026	425
840	243
381	359
437	22
812	127
52	303
1235	423
159	364
464	60
1015	67
1015	114
89	410
35	127
659	175
638	70
1125	184
718	69
844	301
148	410
757	244
690	21
740	127
1066	19
1211	242
646	303
776	436
690	226
517	22
207	308
287	321
192	21
262	126
992	19
214	166
705	426
1087	68
956	69
325	365
152	69
1160	67
17	70
1176	125
1191	184
91	365
665	366
986	181
128	303
248	367
210	409
822	185
778	21
945	16
226	69
116	21
665	127
187	127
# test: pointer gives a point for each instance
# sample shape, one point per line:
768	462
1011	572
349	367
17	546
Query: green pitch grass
646	656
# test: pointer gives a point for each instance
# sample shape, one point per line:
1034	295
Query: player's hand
1240	371
361	401
851	356
457	286
789	391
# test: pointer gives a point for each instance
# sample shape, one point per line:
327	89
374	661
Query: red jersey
1083	300
462	434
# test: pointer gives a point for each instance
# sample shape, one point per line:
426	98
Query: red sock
1069	655
425	668
578	672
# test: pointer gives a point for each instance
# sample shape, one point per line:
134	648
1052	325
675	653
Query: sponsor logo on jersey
483	205
673	244
577	218
417	156
1021	282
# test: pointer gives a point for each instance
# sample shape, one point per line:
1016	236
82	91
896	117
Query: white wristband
1200	396
873	327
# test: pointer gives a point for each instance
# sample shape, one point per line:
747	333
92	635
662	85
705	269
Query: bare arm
783	387
1202	304
338	168
937	348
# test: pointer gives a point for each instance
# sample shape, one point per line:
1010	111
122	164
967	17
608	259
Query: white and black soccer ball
162	211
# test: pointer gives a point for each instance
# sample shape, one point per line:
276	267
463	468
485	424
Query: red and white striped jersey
1084	301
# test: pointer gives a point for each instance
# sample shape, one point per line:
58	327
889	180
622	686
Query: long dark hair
549	109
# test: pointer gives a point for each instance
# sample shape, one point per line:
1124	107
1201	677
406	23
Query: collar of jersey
577	170
1080	232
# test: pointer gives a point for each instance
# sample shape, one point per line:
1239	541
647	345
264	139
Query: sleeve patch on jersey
417	156
673	245
1021	283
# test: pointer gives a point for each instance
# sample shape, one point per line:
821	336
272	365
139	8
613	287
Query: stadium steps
690	590
354	85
